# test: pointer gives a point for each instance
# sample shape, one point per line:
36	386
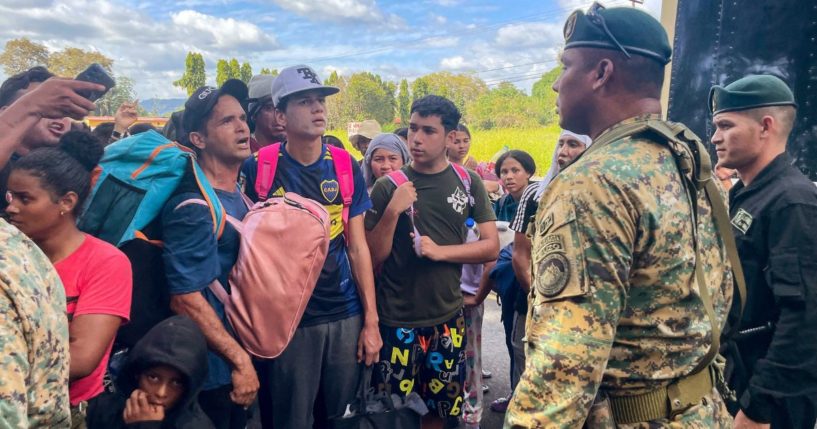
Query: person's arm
369	343
104	303
481	251
55	98
245	381
790	365
90	335
126	115
191	262
486	284
381	221
520	261
571	327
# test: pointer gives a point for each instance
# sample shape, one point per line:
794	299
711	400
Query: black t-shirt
418	292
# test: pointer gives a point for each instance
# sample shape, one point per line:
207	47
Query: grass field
539	142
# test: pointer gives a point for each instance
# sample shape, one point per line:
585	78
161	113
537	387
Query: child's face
163	384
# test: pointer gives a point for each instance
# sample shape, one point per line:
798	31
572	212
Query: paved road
494	359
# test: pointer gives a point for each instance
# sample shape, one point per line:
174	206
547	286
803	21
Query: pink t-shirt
97	279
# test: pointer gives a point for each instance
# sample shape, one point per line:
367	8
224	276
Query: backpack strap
346	182
397	177
217	211
465	178
267	164
235	223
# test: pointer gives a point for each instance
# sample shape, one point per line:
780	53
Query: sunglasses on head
596	19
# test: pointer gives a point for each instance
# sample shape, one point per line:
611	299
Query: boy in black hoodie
159	383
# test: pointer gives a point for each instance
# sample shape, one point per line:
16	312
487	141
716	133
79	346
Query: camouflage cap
624	29
750	92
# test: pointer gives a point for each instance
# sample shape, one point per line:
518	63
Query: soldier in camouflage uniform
623	309
33	337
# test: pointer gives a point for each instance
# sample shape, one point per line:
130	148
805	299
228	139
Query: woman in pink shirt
46	191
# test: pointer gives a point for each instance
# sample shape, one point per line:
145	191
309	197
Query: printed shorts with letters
429	361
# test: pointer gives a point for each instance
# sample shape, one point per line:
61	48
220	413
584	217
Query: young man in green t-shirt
418	292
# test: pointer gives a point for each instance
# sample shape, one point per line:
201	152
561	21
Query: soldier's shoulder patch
554	272
742	220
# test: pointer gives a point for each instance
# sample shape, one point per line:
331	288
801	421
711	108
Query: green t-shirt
418	292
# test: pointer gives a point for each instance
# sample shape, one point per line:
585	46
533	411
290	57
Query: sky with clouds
510	40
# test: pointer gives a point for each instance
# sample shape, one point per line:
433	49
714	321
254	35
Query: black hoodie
176	342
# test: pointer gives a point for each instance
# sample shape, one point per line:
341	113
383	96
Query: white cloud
223	33
438	19
528	34
442	42
456	63
339	10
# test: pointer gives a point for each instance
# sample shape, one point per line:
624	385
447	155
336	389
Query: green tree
70	61
123	91
461	89
23	54
419	88
194	75
273	72
544	96
235	69
403	103
335	113
246	72
367	96
223	72
505	106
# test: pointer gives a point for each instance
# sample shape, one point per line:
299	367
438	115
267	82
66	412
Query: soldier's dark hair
637	74
66	167
784	115
12	86
434	105
521	156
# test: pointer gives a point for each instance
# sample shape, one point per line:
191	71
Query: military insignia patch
553	243
547	223
330	189
570	25
553	274
742	221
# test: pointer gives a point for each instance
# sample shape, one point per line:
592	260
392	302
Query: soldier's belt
664	402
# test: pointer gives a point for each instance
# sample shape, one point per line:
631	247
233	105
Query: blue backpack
138	175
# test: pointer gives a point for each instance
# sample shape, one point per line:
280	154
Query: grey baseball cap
297	79
260	91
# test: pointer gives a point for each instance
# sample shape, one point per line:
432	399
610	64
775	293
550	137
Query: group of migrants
635	292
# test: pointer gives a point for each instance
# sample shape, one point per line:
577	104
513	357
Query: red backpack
284	243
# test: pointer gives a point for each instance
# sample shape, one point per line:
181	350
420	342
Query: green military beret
750	92
631	31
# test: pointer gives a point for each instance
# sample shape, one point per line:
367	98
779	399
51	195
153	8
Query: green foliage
246	72
504	107
539	142
70	61
273	72
223	72
419	89
123	91
544	96
23	54
235	69
461	89
194	75
403	103
363	96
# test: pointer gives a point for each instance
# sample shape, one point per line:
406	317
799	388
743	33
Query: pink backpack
284	243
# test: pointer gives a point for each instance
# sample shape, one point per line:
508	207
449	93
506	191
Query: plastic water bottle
471	273
473	231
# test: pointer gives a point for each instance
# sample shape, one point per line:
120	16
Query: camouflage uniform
614	298
33	337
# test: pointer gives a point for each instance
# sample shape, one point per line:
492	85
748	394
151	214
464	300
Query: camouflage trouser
710	413
78	415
